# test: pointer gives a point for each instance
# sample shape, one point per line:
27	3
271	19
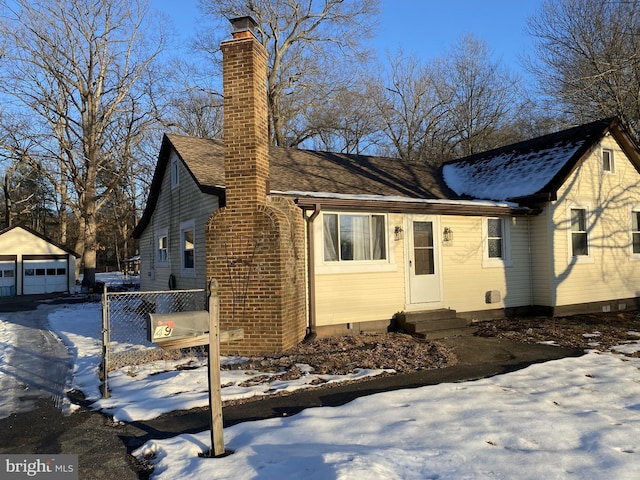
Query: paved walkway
36	365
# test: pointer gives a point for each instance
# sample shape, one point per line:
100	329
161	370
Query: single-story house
31	263
548	225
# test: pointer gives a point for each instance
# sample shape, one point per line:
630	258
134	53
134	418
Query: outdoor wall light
447	235
398	233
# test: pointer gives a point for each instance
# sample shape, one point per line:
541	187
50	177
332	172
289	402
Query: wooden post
215	394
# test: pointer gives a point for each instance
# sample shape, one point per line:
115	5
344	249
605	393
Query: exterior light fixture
398	233
447	235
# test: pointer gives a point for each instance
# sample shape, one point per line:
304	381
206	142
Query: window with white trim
188	248
354	237
607	161
497	249
175	171
635	232
162	248
579	235
495	238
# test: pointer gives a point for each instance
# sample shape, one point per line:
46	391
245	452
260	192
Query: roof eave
340	204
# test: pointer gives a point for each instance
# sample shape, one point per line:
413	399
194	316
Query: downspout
530	255
311	272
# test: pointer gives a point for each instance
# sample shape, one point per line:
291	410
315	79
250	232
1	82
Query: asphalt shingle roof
310	171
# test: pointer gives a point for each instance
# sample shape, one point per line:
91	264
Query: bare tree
411	107
349	124
77	70
308	43
482	97
588	59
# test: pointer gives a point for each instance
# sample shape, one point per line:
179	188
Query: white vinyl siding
465	278
174	207
378	294
607	273
369	291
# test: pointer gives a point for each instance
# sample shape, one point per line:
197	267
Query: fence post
215	394
104	388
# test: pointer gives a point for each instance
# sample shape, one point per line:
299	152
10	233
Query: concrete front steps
434	324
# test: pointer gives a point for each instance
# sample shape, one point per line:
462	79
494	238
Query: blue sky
426	28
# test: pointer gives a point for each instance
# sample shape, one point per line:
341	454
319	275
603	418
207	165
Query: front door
423	260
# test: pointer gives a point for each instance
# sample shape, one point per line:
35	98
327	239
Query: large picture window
354	237
579	240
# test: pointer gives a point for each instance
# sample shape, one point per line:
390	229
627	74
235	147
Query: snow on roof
509	174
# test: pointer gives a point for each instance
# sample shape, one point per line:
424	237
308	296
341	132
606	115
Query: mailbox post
215	393
189	329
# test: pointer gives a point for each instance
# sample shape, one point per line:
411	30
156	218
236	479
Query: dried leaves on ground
343	354
600	331
403	353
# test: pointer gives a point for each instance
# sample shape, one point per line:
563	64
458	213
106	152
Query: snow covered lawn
574	418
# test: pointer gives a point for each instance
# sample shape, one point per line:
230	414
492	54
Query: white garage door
7	279
45	276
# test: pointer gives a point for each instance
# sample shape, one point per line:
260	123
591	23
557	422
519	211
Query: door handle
410	263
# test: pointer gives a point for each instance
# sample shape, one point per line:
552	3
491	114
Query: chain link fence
125	325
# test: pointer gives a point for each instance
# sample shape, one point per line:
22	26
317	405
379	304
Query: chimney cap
243	24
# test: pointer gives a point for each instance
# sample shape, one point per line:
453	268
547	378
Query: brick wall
255	245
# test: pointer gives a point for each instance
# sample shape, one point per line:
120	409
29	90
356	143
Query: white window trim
358	266
581	258
505	261
185	226
612	162
174	170
163	232
632	256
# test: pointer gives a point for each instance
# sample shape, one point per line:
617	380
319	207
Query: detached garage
31	264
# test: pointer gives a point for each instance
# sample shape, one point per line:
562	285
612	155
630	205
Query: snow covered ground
569	419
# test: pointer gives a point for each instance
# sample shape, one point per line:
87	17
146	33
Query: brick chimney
246	137
255	246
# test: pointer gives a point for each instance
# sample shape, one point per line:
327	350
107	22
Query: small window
40	272
496	234
579	240
607	161
163	249
354	237
175	171
29	272
51	272
8	273
187	243
61	271
635	231
495	238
